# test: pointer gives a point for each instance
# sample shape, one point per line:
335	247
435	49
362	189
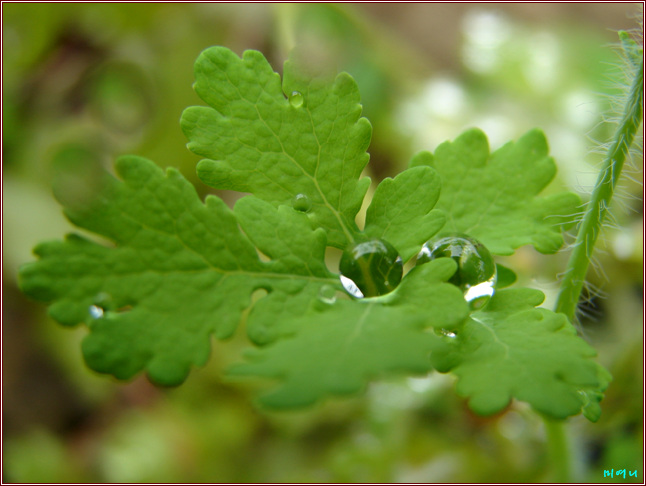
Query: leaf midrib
337	215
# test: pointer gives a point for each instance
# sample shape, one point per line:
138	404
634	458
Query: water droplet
296	99
371	268
301	203
476	274
96	312
327	294
445	333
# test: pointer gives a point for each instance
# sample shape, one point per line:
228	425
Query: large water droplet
301	203
476	274
371	268
296	99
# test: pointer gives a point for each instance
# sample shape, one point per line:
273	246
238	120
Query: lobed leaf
512	350
494	197
255	140
401	210
179	271
341	346
176	271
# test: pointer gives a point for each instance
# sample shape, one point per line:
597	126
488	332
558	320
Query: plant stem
558	449
285	18
600	201
588	232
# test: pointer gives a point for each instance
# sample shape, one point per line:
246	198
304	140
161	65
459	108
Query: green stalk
285	18
558	449
588	232
595	213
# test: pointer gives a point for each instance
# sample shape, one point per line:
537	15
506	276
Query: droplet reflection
327	294
296	99
96	312
351	287
372	267
476	274
302	203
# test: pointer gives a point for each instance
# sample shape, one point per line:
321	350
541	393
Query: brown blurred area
431	26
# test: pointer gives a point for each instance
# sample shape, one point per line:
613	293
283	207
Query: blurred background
84	83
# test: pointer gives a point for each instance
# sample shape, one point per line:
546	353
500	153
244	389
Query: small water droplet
301	203
327	294
373	267
445	333
96	312
296	99
476	274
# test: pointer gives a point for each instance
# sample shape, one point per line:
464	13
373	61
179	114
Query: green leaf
494	197
401	211
340	346
255	140
592	397
177	272
506	276
512	350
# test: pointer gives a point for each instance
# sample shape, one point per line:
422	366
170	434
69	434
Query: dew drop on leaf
371	268
96	312
302	203
102	303
327	294
296	99
476	274
445	333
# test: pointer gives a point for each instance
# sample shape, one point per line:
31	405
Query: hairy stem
602	194
587	234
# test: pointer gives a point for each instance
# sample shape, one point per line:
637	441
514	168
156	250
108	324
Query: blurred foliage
83	83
